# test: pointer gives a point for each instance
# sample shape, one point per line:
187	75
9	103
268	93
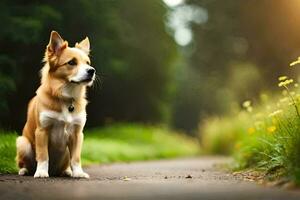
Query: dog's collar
70	102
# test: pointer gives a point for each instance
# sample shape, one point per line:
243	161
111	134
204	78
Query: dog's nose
91	71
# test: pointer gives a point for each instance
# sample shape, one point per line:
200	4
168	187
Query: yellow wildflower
251	130
246	104
271	129
296	85
282	78
295	62
285	83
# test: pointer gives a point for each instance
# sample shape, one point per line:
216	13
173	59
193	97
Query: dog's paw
80	174
23	172
41	174
68	172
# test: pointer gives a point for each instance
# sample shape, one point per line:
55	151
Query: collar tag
71	108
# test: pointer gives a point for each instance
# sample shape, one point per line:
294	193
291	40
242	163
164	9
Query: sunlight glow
173	3
183	36
180	20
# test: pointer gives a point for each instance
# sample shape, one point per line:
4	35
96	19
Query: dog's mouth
87	80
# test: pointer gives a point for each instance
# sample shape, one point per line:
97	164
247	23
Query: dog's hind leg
25	156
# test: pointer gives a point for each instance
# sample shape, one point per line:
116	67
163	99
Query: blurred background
173	62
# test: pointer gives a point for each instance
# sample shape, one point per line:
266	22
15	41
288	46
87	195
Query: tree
243	42
131	51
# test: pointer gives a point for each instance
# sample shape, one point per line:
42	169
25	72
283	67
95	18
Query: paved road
145	180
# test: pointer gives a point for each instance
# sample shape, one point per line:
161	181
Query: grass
127	142
264	138
220	135
7	152
116	143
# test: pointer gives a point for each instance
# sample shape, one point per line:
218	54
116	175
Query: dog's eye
87	62
72	62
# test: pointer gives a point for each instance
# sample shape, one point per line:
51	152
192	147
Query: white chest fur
65	117
62	123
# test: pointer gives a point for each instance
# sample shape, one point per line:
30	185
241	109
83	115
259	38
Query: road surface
194	178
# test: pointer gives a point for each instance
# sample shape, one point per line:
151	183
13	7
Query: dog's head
69	64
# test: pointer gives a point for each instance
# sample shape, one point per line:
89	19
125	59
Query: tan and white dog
52	137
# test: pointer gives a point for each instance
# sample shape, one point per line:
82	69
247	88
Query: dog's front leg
75	145
42	157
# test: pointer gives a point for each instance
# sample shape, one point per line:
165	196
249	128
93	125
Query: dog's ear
84	45
56	44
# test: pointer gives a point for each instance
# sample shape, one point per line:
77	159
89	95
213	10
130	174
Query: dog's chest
62	123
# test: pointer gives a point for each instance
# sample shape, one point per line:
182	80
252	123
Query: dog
52	137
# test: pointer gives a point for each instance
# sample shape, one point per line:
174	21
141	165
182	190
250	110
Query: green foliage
139	73
126	142
274	146
220	135
233	35
131	50
116	143
266	138
8	152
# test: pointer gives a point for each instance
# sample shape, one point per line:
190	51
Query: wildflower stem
293	100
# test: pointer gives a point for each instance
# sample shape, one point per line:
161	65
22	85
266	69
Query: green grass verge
127	142
116	143
266	138
8	152
220	135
